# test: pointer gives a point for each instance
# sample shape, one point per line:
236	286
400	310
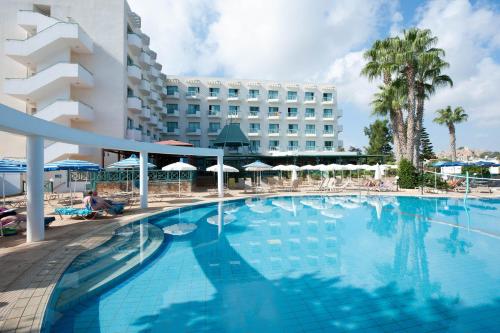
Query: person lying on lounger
95	202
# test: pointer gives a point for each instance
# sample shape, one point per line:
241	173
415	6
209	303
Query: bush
476	171
407	174
430	181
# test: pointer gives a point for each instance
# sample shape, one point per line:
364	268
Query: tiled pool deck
29	272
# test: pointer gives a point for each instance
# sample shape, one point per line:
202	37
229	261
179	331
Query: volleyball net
438	182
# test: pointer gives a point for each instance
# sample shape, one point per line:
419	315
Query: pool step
103	272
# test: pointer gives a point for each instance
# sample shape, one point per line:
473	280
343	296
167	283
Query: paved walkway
30	271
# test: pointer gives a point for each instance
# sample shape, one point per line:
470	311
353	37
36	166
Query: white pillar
35	229
143	179
220	175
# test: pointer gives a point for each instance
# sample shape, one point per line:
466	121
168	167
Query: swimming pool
294	264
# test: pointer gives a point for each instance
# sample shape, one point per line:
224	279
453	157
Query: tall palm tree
450	118
429	77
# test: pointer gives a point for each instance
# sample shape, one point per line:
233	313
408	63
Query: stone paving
29	272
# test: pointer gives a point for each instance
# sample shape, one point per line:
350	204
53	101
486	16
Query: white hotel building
87	65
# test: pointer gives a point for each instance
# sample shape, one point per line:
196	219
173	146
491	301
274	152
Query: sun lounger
75	212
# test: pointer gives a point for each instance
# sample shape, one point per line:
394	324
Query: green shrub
407	174
476	171
430	181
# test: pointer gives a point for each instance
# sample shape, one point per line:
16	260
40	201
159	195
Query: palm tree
429	77
450	118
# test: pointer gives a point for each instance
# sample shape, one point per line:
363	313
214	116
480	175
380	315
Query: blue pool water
300	264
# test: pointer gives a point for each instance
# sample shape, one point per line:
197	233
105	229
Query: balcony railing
293	132
273	115
274	148
172	94
310	132
193	113
253	114
213	114
310	148
292	115
293	148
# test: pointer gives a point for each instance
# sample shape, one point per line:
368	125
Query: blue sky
323	41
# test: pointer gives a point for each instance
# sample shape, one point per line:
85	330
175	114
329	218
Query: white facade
88	65
277	117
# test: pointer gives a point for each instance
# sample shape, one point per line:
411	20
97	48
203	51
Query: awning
231	136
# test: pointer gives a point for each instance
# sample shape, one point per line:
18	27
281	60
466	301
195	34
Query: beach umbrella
225	168
294	175
179	166
307	167
378	172
71	165
279	168
7	166
257	166
133	162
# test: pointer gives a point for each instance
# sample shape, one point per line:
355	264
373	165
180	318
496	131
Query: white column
143	179
220	175
35	229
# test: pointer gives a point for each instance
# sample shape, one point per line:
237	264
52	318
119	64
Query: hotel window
154	137
327	113
273	111
254	128
291	96
193	91
272	94
234	110
327	97
172	126
130	62
130	123
310	129
274	145
309	96
310	113
328	145
130	92
293	128
213	110
195	143
213	92
254	111
328	129
233	92
274	128
310	145
140	128
193	108
254	146
171	108
193	126
213	127
148	133
253	93
293	145
292	112
172	90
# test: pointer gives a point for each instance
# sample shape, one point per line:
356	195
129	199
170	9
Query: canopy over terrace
37	130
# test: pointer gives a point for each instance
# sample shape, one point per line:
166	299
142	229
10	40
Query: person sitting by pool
103	204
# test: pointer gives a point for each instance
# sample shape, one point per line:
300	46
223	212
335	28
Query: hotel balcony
253	98
196	114
134	104
157	104
273	148
310	100
155	96
213	131
65	111
192	96
153	120
292	101
172	113
311	148
310	133
310	117
57	150
158	83
213	114
134	134
193	131
328	148
213	97
327	101
36	87
340	143
146	138
134	43
145	59
273	115
155	72
233	115
254	133
59	36
328	117
172	131
233	98
173	95
273	133
145	114
292	133
134	73
292	116
328	134
163	92
160	126
145	86
292	148
274	100
253	115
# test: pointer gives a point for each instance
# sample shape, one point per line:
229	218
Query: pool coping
27	305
